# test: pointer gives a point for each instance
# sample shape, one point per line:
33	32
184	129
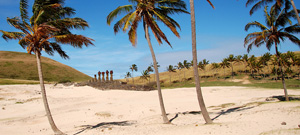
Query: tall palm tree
195	62
279	4
40	34
272	34
150	12
149	69
171	69
133	67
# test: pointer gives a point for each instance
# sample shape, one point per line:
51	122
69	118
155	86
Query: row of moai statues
103	78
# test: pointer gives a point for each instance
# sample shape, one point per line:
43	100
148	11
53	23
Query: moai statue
111	75
103	80
95	80
107	72
99	76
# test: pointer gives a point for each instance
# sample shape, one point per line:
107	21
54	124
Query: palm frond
11	35
74	40
255	24
121	9
23	10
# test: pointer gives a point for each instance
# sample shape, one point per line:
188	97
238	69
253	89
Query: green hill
22	66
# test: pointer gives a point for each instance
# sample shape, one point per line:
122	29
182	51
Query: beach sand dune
88	111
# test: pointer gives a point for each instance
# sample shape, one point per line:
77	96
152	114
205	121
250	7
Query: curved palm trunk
196	75
282	74
45	101
161	102
296	12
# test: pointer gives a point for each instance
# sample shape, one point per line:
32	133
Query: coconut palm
272	34
150	12
145	75
264	61
195	62
224	64
252	64
127	75
179	66
187	66
171	69
231	59
279	4
215	66
40	34
133	67
245	61
149	69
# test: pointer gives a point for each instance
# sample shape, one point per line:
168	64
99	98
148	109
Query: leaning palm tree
273	33
196	74
40	34
133	67
279	4
150	12
215	66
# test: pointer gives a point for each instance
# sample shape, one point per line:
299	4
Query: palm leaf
121	9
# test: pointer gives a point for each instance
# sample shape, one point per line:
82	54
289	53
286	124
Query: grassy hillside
221	77
22	66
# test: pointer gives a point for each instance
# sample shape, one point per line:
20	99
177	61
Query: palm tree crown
148	11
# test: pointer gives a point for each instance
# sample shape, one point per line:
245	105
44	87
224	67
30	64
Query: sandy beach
88	111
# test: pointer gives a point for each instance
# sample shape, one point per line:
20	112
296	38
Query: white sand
87	111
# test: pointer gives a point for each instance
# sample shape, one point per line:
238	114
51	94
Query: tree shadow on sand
105	125
235	109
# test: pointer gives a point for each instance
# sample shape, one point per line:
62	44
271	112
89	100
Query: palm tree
231	59
279	4
196	74
245	61
149	12
46	34
238	59
145	75
202	64
133	67
187	66
179	66
264	61
224	64
150	69
127	75
170	69
252	64
273	33
215	66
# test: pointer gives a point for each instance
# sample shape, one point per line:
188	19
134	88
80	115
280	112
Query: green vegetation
20	68
243	74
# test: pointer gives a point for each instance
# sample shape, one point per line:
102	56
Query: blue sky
220	32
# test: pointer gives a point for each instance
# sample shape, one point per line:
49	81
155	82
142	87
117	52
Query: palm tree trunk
296	12
45	101
132	77
196	75
282	74
231	70
161	102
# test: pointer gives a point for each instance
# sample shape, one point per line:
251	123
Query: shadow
184	113
105	125
282	98
235	109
